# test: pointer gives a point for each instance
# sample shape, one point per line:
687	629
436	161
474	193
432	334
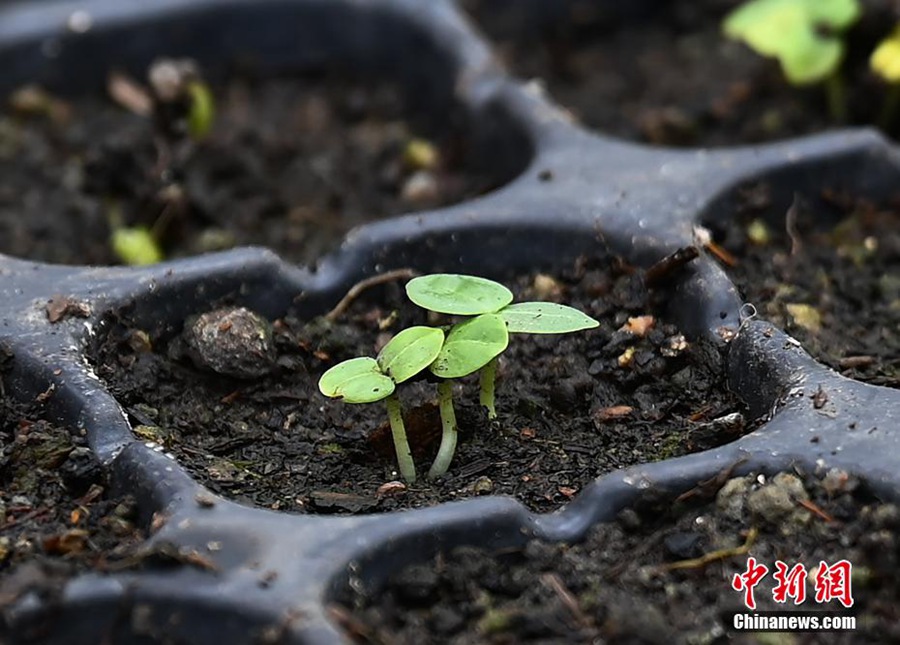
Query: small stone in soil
233	341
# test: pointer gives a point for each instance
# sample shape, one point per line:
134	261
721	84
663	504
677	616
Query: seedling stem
837	101
448	426
889	107
401	445
487	376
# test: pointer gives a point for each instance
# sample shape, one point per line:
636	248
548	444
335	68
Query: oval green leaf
463	295
410	352
545	318
470	346
885	60
801	34
768	26
358	380
202	112
135	246
812	59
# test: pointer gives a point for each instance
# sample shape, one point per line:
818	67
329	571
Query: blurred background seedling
805	36
885	62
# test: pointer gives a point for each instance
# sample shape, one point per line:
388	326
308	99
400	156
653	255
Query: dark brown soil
618	586
291	163
568	410
662	72
835	286
57	518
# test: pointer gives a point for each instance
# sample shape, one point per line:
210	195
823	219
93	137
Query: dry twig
790	225
362	285
553	582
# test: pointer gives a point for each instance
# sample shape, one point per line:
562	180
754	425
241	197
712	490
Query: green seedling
469	346
803	35
179	92
202	111
420	154
885	61
367	380
474	344
132	245
135	246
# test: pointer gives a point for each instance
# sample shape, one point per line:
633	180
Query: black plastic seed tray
644	201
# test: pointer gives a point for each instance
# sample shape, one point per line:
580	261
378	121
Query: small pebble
684	545
420	188
730	498
547	287
232	341
777	502
391	488
482	486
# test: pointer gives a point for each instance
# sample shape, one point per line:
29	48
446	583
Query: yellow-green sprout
885	61
135	245
803	35
202	112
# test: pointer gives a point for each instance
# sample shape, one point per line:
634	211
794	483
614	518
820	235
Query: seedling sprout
804	35
202	111
135	245
367	380
132	245
885	61
181	93
474	345
469	346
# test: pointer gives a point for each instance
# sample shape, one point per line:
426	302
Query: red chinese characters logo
832	582
748	580
790	583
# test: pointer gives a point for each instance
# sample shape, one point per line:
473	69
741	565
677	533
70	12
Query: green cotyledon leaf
410	352
544	318
470	346
801	34
358	380
463	295
135	245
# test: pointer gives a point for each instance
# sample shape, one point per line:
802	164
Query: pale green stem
837	101
448	437
401	445
487	377
889	107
